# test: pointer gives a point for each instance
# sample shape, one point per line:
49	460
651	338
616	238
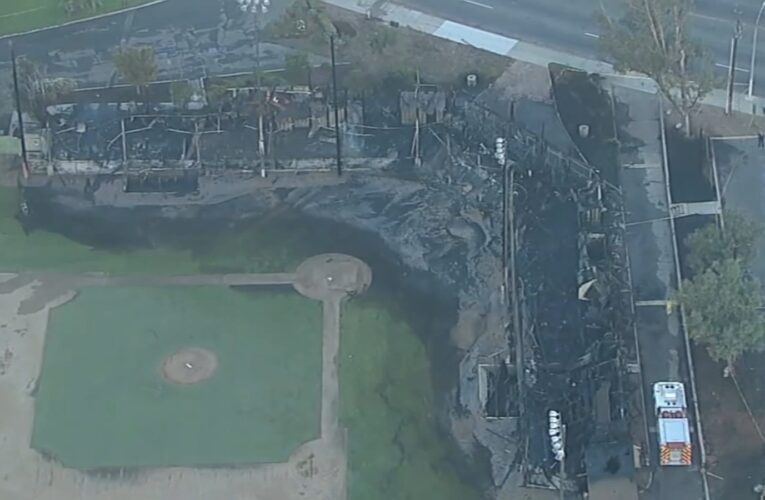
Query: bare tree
72	7
652	38
137	65
90	5
38	90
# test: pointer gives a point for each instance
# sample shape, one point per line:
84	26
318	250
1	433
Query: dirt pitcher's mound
189	366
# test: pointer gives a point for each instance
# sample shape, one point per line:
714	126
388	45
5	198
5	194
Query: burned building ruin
569	321
565	341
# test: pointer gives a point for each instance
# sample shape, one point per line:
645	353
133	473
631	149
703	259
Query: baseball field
112	389
197	376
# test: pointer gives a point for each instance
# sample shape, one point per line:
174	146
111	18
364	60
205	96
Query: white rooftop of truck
668	395
674	430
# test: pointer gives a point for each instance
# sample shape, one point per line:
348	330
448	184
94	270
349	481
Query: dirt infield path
316	470
331	278
49	286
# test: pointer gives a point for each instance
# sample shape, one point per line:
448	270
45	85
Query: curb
533	53
84	20
683	322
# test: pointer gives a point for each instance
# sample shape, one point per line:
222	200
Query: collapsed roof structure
244	129
569	330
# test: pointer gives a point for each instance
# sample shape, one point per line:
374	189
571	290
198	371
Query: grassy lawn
395	449
258	246
102	401
43	250
18	16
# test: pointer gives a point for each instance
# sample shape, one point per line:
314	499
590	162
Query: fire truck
673	427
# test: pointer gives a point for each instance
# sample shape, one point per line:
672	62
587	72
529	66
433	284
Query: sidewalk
389	11
649	239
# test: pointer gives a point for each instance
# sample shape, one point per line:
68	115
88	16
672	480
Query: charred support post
505	276
519	362
334	104
563	463
17	97
197	138
124	144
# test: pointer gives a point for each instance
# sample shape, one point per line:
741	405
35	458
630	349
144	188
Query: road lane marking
651	303
478	4
592	35
21	12
718	19
726	66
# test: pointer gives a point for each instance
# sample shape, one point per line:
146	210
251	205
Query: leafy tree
217	95
652	38
137	65
315	9
380	39
37	91
181	93
296	68
712	244
722	307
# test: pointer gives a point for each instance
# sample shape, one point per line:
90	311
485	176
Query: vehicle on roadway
673	427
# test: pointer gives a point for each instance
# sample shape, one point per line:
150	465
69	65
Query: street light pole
563	463
19	113
754	49
257	8
732	67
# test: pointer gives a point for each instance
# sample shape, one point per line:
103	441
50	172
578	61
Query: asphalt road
212	37
569	25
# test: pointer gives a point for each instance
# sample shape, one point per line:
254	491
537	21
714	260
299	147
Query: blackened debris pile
569	323
574	316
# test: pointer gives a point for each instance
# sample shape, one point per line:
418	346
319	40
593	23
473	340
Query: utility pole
338	147
505	208
416	139
732	68
754	50
563	463
19	115
500	154
258	8
557	431
520	364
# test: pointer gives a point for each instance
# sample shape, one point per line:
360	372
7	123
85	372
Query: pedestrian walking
760	140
